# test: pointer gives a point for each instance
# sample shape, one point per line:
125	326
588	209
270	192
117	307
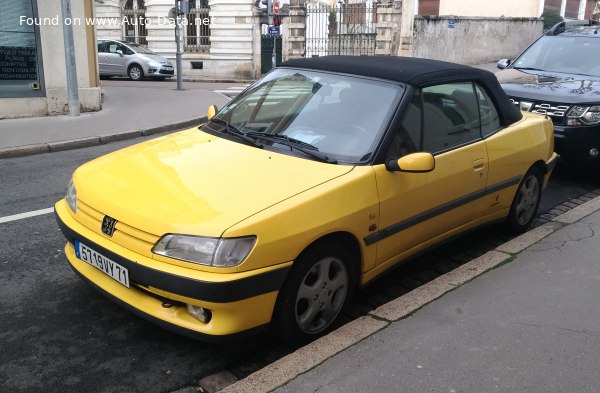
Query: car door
507	165
419	209
102	59
113	61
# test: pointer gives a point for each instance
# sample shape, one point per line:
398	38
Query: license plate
99	261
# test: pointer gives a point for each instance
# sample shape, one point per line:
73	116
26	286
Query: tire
313	296
526	201
135	72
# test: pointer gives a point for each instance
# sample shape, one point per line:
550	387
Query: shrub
550	19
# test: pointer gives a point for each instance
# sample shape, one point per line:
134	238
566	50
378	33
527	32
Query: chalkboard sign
18	63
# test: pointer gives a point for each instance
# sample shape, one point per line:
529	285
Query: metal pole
72	88
178	52
274	51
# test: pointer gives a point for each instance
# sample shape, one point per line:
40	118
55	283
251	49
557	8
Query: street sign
273	30
451	23
275	7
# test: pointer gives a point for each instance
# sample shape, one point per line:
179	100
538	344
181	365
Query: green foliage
332	18
550	19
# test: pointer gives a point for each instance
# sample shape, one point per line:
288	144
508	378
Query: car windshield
137	48
339	116
562	54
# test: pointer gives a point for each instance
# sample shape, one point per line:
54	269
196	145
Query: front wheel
526	201
313	296
135	72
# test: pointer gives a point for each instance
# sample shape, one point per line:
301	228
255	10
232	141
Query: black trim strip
216	292
170	326
419	218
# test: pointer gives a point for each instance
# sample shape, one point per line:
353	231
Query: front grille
557	112
167	72
125	235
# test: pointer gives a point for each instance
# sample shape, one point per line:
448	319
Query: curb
306	358
51	147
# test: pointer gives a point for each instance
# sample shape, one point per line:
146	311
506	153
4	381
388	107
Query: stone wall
473	40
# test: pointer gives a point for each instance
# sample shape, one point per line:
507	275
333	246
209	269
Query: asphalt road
226	88
59	335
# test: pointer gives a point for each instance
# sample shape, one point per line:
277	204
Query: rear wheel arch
527	198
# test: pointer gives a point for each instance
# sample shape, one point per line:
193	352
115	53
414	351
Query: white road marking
21	216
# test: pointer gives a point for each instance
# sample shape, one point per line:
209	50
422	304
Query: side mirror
120	52
212	111
503	63
413	163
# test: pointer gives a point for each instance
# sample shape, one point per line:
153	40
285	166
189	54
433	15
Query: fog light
202	314
593	152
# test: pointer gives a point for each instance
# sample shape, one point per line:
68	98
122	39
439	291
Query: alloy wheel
321	295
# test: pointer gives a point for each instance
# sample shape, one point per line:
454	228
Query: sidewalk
128	112
529	324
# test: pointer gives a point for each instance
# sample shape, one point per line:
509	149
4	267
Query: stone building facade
33	80
220	38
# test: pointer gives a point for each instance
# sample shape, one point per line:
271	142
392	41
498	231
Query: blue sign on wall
451	23
273	30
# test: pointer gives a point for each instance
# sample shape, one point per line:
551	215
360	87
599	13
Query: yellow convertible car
314	181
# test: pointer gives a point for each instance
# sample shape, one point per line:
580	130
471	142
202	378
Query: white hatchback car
119	58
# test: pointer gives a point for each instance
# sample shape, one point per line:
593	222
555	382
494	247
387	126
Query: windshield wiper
304	147
232	130
529	69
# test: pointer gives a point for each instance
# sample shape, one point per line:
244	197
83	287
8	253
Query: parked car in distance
559	76
311	183
120	58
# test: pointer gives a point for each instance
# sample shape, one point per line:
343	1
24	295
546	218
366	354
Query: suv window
569	54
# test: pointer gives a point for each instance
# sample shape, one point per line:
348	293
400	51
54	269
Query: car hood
571	89
194	183
156	58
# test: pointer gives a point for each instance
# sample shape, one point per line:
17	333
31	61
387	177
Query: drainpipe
72	88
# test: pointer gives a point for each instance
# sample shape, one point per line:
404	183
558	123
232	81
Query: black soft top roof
413	71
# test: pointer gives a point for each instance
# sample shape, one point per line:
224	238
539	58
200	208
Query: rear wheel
526	201
135	72
317	289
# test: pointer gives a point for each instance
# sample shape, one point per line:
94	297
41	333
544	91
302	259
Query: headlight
588	115
207	251
153	64
71	196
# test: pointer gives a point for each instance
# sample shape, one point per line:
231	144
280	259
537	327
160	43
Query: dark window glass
407	138
20	63
125	50
490	121
451	116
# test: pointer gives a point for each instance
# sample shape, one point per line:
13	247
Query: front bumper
240	305
575	143
162	71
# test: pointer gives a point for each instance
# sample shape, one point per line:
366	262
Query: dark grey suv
559	76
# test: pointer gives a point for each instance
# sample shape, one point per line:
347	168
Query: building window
429	7
134	26
20	55
552	6
197	31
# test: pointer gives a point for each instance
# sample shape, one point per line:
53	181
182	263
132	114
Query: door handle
478	164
